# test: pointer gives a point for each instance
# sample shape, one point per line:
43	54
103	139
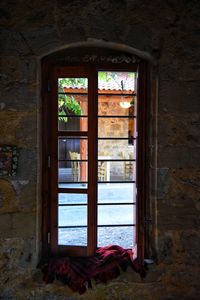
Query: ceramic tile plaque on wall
8	160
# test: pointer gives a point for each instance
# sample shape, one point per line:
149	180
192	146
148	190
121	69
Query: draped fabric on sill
105	265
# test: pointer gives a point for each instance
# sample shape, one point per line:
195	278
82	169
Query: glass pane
122	236
77	172
116	214
72	236
115	149
116	127
111	105
116	104
64	198
72	215
116	171
80	84
72	104
116	92
70	153
70	148
73	123
117	81
116	192
72	101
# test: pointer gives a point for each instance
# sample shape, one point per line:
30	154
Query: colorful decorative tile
8	160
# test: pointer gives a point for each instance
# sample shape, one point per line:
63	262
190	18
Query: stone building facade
166	33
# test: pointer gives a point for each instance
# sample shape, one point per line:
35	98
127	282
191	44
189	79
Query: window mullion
92	161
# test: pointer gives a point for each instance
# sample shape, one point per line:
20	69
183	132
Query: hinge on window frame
49	161
48	237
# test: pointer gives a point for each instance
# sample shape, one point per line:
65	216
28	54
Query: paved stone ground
113	215
122	236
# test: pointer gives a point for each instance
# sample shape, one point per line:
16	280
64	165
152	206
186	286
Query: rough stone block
189	71
162	182
27	164
27	197
190	243
17	96
27	133
178	157
18	68
171	217
5	225
24	224
178	97
108	28
70	29
165	245
42	40
13	43
184	282
28	257
134	35
16	261
184	187
35	14
13	128
179	130
8	197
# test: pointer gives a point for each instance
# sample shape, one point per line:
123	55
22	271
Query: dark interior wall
168	31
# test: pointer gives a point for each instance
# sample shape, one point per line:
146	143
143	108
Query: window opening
93	177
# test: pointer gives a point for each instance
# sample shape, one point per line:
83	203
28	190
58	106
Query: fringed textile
105	265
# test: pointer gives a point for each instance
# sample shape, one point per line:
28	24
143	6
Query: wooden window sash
63	72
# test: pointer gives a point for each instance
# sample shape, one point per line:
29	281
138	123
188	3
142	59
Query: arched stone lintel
106	45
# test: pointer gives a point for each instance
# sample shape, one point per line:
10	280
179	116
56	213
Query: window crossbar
105	225
118	181
72	191
116	116
100	204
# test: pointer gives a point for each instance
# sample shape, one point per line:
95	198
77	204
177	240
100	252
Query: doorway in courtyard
94	150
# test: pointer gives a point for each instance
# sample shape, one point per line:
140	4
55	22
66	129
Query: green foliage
67	104
105	76
72	82
116	77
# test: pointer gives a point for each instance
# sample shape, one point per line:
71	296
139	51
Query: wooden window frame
49	209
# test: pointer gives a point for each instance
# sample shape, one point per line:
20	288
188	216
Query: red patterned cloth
105	265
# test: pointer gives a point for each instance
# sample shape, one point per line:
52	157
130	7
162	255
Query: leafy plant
67	104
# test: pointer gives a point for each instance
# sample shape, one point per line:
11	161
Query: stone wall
168	31
115	127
